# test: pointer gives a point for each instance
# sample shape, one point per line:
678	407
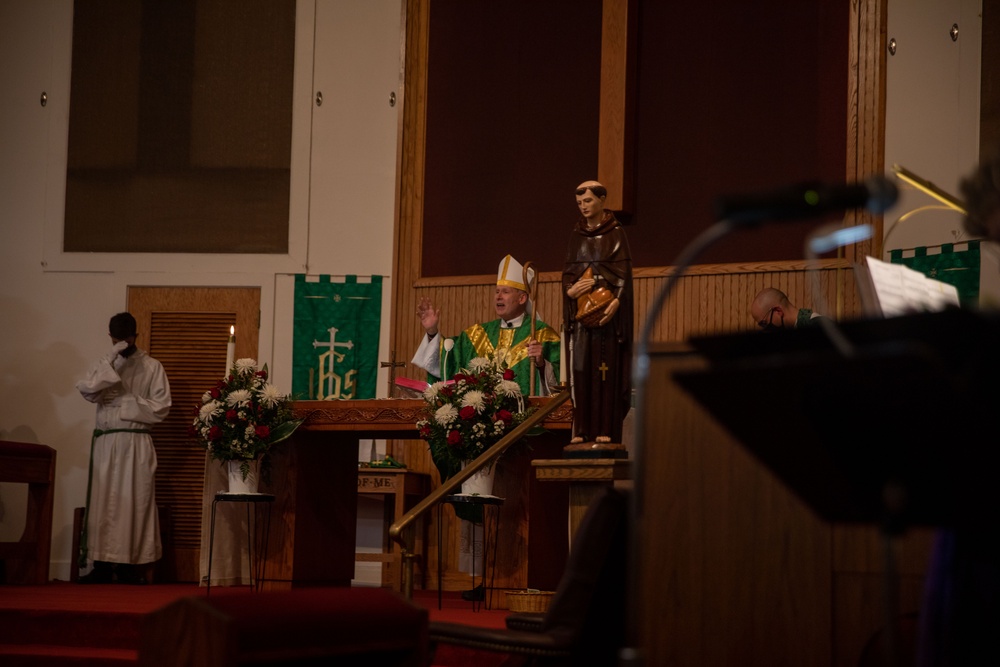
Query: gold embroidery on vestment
516	353
480	340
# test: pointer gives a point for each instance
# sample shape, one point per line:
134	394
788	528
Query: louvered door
186	329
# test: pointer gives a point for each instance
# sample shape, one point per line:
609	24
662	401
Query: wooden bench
26	561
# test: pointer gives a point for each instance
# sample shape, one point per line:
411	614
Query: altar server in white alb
121	531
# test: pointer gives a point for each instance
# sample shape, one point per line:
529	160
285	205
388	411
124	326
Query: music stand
889	435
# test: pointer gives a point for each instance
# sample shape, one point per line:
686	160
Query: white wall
932	120
55	306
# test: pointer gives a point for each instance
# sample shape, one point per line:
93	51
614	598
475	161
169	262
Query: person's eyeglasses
768	321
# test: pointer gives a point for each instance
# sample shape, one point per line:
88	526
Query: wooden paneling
860	556
866	110
734	568
726	544
708	299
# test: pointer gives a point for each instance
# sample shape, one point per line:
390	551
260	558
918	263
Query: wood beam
616	157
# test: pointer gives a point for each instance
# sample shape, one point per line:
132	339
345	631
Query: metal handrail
396	529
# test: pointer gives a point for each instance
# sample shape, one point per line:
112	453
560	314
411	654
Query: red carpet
71	624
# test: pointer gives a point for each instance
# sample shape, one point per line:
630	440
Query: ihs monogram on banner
336	337
336	386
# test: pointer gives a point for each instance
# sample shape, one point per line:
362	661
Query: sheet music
896	289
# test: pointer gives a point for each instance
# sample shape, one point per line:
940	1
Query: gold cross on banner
604	371
392	365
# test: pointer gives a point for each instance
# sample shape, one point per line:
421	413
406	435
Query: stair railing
396	530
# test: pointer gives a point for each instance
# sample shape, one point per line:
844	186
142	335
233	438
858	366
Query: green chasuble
482	340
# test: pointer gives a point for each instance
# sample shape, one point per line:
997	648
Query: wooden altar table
314	477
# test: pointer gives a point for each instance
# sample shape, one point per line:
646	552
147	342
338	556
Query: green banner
960	269
336	337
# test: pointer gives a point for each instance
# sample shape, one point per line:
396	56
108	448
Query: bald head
770	306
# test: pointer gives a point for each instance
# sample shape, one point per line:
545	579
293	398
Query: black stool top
244	497
472	500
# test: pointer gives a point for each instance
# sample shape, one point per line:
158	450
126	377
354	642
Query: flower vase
481	483
236	482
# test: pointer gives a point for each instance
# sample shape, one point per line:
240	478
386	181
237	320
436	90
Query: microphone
808	200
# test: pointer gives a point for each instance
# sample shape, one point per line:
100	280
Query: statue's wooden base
586	480
595	450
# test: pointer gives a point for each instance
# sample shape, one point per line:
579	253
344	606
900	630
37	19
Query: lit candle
230	350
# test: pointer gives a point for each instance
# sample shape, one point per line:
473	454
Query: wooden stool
395	485
251	499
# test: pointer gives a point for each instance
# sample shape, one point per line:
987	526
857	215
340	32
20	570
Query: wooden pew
26	561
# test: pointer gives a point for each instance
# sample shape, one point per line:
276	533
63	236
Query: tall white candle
230	351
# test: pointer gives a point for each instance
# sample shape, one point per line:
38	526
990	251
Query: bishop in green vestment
510	332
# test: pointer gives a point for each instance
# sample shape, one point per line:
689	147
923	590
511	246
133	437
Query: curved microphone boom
807	200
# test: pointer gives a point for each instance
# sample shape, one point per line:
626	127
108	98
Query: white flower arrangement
471	412
242	417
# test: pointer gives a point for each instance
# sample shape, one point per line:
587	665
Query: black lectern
899	430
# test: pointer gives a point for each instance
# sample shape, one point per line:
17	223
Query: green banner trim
960	268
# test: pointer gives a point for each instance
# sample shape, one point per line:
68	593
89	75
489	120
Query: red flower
454	438
230	415
425	432
263	431
214	433
468	412
505	416
508	374
216	392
